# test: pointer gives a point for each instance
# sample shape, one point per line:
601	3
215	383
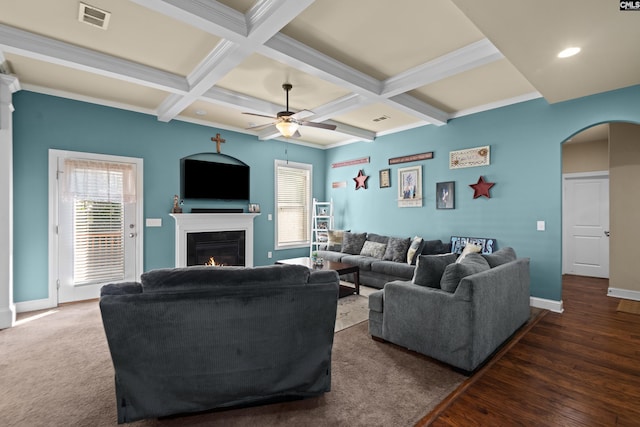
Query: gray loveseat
196	338
381	259
456	313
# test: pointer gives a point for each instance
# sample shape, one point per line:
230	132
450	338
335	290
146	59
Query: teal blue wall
42	122
525	142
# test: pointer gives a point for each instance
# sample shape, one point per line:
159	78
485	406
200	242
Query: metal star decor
361	180
481	188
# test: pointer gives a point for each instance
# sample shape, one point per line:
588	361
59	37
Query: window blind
293	193
98	191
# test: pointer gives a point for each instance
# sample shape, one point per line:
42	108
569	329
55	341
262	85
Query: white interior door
586	225
98	240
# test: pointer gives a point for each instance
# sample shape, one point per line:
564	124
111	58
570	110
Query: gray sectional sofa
381	259
196	338
458	313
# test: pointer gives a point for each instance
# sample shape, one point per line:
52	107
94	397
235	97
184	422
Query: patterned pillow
352	242
397	249
471	264
429	269
469	249
373	249
334	242
414	250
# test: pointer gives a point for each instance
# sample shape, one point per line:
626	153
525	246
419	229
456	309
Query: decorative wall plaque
470	157
411	158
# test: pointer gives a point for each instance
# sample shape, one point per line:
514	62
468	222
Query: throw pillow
352	242
373	249
429	269
469	249
397	249
500	257
378	238
414	250
334	242
471	264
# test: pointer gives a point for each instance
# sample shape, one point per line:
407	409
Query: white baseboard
547	304
623	293
7	317
33	305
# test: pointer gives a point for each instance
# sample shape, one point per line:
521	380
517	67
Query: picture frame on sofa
458	243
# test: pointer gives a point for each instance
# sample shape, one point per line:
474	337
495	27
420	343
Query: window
293	204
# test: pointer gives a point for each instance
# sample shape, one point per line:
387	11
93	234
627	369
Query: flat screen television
212	180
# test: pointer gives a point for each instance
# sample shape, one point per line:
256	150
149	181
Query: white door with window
96	223
586	224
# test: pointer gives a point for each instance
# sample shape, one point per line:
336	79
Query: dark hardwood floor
579	368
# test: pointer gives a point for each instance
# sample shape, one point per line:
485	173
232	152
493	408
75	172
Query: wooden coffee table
340	267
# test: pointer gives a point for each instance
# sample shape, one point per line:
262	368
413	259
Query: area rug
629	306
56	370
352	310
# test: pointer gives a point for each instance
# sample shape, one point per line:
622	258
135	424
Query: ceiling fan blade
303	114
261	115
259	127
319	125
296	135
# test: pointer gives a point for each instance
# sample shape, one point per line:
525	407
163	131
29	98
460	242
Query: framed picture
254	208
385	178
410	187
445	195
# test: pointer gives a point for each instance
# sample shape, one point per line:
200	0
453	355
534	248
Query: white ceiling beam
338	106
304	58
265	19
207	15
228	98
30	45
225	57
466	58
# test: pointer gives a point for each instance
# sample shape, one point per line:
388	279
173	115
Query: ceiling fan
286	121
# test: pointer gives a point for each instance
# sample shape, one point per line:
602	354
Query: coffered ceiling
370	68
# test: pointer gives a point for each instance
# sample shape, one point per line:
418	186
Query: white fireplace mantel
211	222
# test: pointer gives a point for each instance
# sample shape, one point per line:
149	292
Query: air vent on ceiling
93	16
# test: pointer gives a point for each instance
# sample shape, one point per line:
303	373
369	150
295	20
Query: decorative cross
218	139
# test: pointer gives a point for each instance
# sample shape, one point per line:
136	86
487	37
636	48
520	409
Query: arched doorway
623	158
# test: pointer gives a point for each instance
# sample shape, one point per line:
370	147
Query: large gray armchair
485	300
196	338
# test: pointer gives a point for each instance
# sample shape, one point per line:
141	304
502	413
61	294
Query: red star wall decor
361	180
481	188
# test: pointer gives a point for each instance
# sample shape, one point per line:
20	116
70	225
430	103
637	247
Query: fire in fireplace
225	247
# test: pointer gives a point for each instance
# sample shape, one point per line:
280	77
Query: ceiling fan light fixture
287	128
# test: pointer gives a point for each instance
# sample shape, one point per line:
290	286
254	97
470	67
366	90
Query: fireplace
217	231
224	247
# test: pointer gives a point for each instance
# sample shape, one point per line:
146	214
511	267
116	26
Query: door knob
607	233
133	234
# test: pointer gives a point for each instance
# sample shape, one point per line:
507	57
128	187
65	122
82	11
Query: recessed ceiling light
570	51
201	112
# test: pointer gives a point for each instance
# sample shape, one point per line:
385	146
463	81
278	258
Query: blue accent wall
525	142
42	122
526	162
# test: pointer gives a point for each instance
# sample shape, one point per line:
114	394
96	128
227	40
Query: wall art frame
385	178
410	187
446	195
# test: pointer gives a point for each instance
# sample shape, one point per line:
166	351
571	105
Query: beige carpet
629	306
55	370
